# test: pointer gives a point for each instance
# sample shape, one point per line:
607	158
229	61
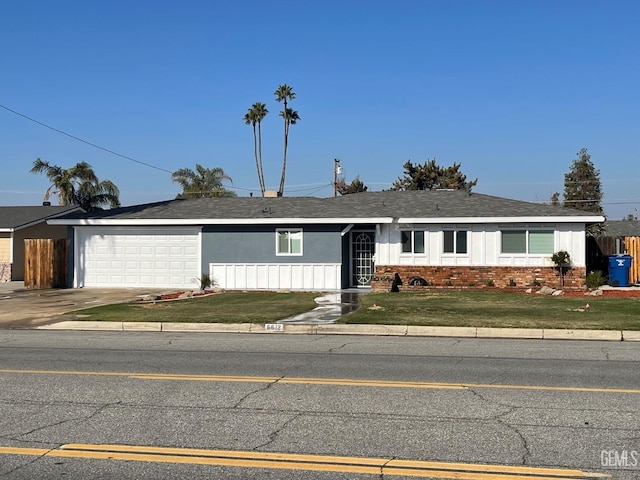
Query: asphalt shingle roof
406	204
622	228
16	217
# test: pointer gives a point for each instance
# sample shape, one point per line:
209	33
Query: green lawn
498	309
475	309
255	307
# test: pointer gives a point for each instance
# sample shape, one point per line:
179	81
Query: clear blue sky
509	89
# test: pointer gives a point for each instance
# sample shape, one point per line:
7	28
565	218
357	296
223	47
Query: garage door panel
137	257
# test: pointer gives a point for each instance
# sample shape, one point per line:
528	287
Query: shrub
512	282
205	281
490	283
595	279
561	258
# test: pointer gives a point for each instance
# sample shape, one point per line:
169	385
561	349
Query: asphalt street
110	404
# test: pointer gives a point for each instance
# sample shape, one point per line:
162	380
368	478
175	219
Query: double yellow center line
322	381
292	461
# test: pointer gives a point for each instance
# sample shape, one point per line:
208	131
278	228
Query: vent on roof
46	204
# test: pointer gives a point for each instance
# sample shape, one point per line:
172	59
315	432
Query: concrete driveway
21	308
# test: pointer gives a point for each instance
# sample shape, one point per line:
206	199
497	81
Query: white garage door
137	257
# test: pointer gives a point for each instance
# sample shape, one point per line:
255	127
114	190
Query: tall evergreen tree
432	176
356	186
582	187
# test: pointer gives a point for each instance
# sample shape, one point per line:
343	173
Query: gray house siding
257	244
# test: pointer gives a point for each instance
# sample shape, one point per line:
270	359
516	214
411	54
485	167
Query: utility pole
337	170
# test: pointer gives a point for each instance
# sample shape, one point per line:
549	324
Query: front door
362	250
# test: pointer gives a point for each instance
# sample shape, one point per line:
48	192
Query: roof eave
47	218
480	220
215	221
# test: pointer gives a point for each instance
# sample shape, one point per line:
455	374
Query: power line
84	141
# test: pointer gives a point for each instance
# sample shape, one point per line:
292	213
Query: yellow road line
322	381
287	461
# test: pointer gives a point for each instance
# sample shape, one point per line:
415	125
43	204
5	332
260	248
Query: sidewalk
45	310
350	329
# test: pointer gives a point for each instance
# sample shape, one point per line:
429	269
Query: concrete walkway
330	308
23	308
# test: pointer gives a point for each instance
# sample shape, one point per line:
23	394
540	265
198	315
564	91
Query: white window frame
412	238
455	241
527	237
290	231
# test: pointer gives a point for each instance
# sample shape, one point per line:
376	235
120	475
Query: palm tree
92	196
284	93
78	185
253	117
202	183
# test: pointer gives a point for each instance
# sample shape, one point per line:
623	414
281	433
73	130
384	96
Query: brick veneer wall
5	272
479	277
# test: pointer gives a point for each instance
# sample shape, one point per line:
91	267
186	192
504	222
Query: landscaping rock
596	293
557	293
151	297
187	294
546	291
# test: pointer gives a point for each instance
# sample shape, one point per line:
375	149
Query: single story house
20	223
445	237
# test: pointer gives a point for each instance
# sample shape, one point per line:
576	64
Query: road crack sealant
335	349
18	438
83	418
30	462
499	418
274	435
257	390
384	465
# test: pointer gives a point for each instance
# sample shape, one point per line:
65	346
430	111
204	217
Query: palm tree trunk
255	154
284	159
260	170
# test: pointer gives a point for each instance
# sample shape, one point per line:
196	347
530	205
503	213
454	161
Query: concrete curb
351	329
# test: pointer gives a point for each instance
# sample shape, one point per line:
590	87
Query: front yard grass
497	309
254	307
441	308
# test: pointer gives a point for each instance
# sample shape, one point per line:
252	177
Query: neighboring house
19	223
302	243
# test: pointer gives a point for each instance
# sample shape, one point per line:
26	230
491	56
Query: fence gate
45	263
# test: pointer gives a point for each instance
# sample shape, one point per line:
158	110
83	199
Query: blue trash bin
619	266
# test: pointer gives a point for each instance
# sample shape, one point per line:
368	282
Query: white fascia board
577	219
216	221
47	219
6	230
31	224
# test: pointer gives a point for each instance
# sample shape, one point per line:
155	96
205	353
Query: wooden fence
599	249
45	263
632	247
